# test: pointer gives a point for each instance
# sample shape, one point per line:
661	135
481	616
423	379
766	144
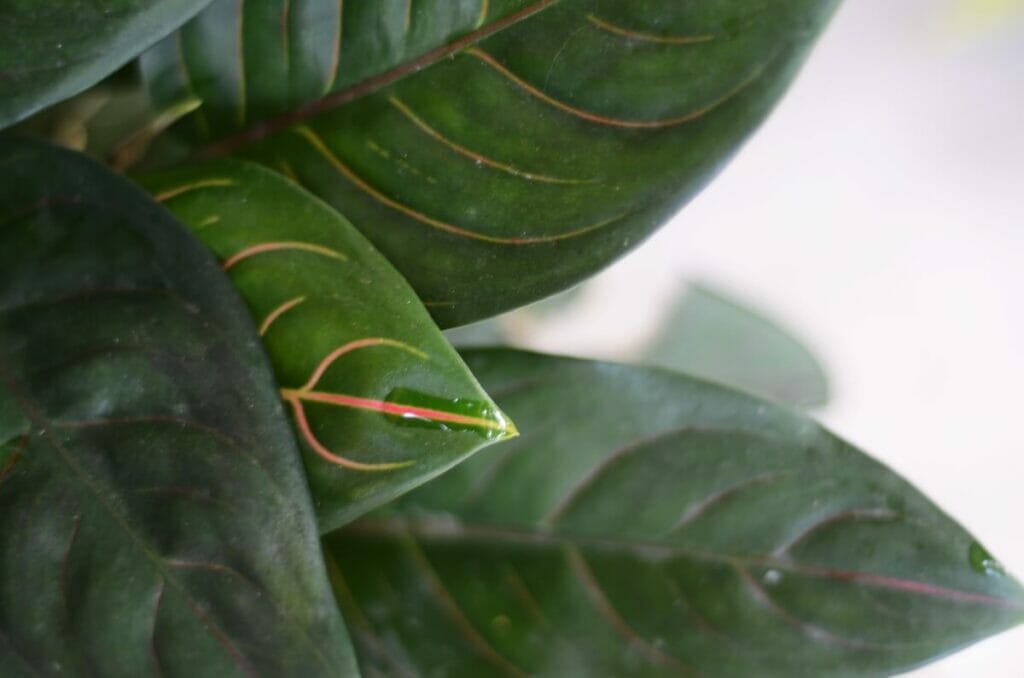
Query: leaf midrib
448	530
303	112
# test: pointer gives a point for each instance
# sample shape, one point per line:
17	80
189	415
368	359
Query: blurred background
878	218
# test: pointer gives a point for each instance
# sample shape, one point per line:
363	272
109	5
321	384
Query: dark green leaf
155	516
379	398
53	49
709	336
494	151
650	524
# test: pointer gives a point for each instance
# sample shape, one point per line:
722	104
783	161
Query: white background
879	214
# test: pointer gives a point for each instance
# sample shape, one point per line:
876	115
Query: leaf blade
56	49
650	524
156	518
709	336
497	165
380	401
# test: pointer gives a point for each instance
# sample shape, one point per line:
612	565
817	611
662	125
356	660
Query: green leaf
380	400
155	516
53	49
650	524
712	337
495	151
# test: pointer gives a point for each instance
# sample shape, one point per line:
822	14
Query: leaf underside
495	151
53	49
380	401
155	515
651	524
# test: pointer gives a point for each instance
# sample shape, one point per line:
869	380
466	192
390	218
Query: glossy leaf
650	524
155	516
709	336
494	151
53	49
380	400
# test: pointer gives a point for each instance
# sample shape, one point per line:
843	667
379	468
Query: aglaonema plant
235	441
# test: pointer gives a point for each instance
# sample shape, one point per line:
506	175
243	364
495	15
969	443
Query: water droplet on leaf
413	408
982	561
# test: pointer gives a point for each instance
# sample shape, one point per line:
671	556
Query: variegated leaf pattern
156	521
495	151
647	523
380	401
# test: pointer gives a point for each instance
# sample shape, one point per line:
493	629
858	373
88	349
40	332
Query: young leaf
379	399
53	49
156	519
650	524
495	152
709	336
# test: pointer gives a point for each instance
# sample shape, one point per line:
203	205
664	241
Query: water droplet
982	561
422	410
771	577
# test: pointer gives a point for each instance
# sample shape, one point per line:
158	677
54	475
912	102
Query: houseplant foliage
233	435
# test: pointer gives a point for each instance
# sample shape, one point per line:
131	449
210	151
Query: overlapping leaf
155	516
380	400
650	524
709	336
494	151
53	49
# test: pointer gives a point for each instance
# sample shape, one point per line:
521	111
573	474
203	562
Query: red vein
169	193
812	631
154	656
296	397
598	470
852	514
701	507
444	530
13	459
221	638
451	607
621	626
525	596
393	409
473	155
307	433
278	312
361	623
318	144
208	624
907	586
605	120
265	247
648	37
150	419
363	88
355	346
